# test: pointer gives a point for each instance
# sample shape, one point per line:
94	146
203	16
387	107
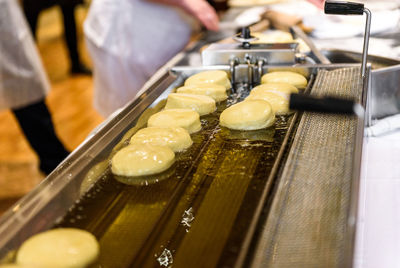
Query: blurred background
69	101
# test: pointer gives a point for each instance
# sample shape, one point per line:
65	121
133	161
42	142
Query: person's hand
199	9
318	3
202	11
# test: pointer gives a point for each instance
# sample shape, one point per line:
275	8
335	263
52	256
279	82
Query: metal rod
260	65
299	33
250	72
366	42
232	67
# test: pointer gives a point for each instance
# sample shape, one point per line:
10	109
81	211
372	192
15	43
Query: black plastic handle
309	103
343	8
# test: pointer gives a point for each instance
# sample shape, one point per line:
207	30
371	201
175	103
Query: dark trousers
36	123
32	15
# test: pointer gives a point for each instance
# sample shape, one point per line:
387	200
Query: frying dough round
276	87
279	101
176	138
206	77
186	118
199	103
142	159
217	92
63	247
292	78
248	115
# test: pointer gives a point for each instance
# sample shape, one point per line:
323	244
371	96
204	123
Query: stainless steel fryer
69	195
280	197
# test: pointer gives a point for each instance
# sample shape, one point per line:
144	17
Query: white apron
128	41
22	77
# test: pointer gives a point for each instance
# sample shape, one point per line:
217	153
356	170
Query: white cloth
22	77
128	41
378	233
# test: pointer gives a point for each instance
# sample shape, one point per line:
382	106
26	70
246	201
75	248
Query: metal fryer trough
205	211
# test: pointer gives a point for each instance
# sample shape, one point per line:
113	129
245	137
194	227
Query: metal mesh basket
307	224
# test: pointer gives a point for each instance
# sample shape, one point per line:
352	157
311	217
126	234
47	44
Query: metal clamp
250	69
245	38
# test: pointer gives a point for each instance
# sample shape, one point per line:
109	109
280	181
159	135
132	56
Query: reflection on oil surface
146	180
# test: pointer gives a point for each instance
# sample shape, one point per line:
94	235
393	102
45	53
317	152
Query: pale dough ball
248	115
292	78
279	101
176	138
206	77
276	87
186	118
15	266
217	92
198	103
142	159
63	247
278	36
272	37
300	70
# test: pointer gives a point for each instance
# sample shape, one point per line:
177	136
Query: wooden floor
69	101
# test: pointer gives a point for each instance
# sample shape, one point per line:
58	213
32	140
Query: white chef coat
128	41
22	77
